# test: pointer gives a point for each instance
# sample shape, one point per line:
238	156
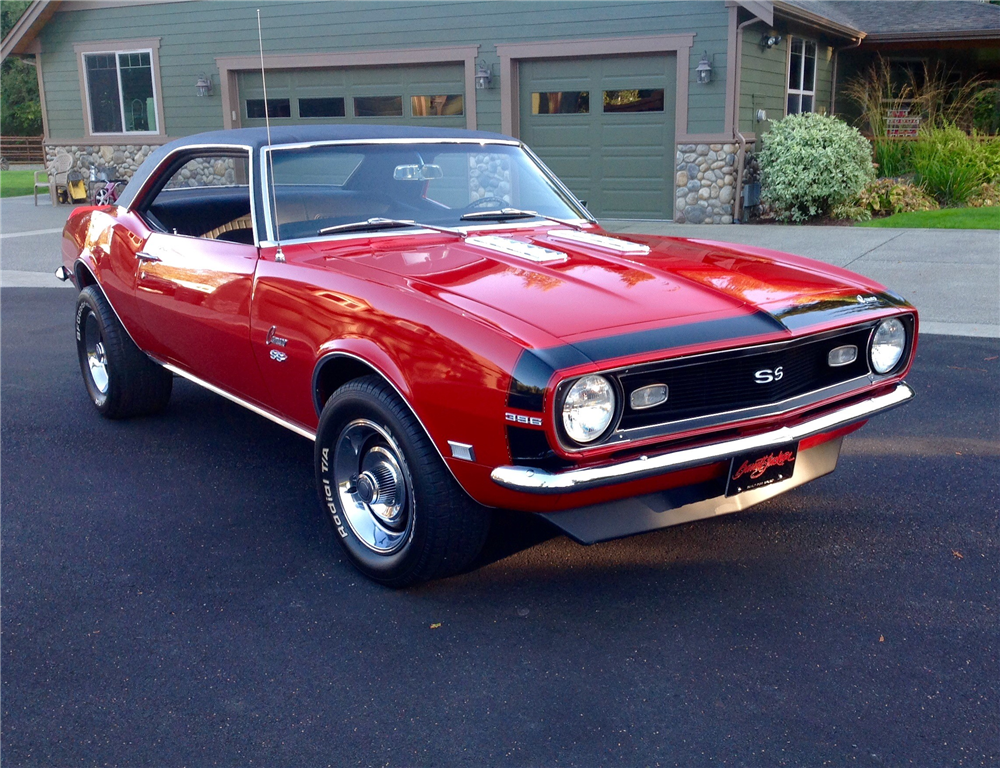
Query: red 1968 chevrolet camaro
457	334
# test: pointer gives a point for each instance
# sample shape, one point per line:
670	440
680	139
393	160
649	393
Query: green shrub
989	159
947	163
884	197
891	156
810	163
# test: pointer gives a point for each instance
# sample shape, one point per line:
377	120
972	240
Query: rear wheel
120	379
399	514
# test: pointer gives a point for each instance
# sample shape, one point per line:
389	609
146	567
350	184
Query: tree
20	108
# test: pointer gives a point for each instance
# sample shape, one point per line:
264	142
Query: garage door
432	95
606	127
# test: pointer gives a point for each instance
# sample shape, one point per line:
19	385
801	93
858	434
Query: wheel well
83	276
334	372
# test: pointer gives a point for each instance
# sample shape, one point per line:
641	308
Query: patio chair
57	172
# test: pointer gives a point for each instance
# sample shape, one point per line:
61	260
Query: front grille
718	383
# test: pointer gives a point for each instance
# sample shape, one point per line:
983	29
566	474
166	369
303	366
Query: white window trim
802	66
115	47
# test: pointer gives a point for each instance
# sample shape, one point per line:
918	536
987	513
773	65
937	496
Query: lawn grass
14	183
946	218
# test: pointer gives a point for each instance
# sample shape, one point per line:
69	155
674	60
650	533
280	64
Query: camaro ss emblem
517	418
278	355
767	375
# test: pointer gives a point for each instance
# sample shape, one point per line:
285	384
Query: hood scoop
610	243
527	251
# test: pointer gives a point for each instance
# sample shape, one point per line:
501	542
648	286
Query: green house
645	109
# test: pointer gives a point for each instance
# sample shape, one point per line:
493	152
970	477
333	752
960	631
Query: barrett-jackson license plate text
755	469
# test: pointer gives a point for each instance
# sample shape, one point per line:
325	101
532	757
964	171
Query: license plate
755	469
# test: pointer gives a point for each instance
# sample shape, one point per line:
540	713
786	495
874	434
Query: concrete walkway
952	276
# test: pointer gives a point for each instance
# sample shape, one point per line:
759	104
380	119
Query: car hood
590	290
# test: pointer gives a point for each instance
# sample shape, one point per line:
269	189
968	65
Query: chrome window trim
266	170
140	195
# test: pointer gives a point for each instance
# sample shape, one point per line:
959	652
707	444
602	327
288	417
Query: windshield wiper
376	223
504	214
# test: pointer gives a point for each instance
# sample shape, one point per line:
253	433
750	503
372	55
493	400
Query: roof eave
917	37
795	13
23	34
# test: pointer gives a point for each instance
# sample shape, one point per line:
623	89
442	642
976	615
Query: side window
207	196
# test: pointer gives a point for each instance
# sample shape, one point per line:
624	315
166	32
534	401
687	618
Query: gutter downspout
740	138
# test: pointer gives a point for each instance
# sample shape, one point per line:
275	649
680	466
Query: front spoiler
540	481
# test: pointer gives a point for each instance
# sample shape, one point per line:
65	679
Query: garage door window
560	103
634	100
437	106
378	106
325	107
275	108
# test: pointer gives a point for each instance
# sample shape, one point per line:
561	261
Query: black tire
121	380
435	529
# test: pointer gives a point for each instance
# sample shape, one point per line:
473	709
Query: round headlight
888	345
588	408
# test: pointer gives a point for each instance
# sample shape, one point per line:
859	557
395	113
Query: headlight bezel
907	324
570	443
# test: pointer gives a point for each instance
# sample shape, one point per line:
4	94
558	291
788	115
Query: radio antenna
278	255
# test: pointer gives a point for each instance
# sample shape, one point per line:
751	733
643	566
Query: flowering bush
810	163
884	197
987	196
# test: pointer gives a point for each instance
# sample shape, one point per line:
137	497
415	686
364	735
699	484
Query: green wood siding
193	34
764	78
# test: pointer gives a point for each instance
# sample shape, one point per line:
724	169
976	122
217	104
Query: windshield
319	187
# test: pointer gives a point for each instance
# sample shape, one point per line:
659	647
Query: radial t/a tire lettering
121	380
396	510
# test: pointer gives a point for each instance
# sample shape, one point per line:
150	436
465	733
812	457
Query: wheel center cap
368	489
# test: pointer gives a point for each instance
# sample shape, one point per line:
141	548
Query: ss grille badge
767	375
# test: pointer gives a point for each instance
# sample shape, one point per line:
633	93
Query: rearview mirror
417	172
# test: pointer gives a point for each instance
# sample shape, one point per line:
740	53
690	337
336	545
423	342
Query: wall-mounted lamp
484	76
704	69
204	85
769	40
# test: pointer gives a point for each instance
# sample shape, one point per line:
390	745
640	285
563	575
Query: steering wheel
485	201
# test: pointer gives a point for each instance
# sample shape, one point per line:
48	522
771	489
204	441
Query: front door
196	271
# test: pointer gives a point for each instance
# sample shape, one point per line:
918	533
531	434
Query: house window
801	76
120	92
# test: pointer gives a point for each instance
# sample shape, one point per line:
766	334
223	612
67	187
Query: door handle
143	256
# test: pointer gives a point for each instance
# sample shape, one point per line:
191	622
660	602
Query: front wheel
398	513
120	379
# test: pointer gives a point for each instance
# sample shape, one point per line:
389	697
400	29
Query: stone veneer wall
706	183
125	157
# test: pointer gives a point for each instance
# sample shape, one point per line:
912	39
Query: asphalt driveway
172	595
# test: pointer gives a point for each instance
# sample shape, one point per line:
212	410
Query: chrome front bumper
539	481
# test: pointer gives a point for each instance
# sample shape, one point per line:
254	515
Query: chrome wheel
373	485
97	358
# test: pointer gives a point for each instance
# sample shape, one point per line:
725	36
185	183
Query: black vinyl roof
256	138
